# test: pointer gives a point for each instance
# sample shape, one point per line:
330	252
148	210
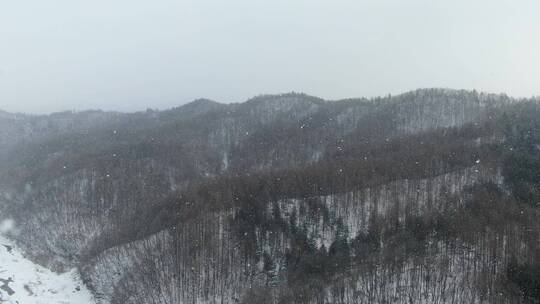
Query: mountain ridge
197	203
263	97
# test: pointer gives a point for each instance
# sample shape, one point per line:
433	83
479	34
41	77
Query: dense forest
431	196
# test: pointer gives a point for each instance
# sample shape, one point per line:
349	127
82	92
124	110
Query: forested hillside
431	196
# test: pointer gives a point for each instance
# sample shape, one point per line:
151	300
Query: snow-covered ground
23	282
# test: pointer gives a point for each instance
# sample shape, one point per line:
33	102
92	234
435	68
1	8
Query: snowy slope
23	282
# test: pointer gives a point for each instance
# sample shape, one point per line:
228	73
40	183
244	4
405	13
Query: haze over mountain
429	196
127	55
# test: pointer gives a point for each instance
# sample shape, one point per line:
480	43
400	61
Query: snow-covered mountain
281	199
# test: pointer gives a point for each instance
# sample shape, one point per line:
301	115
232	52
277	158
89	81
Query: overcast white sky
133	54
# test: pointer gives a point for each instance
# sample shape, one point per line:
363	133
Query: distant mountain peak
202	102
290	97
194	108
